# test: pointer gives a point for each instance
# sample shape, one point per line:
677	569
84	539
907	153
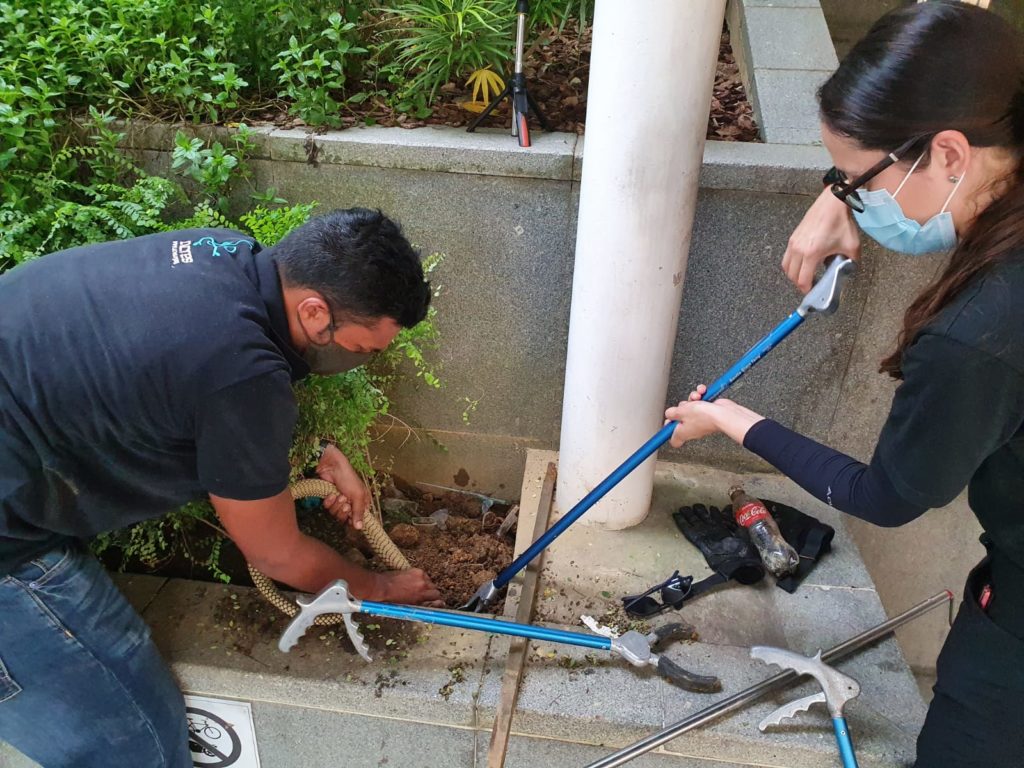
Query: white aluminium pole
651	76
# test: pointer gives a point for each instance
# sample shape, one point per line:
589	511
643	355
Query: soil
557	68
462	555
458	558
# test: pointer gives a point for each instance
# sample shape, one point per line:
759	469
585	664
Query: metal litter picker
823	299
836	690
634	647
770	685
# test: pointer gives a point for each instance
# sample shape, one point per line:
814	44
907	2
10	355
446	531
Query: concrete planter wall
506	220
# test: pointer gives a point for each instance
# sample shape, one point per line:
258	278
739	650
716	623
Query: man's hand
268	536
411	587
349	504
826	228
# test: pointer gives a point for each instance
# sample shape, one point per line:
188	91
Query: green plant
268	225
557	13
312	74
438	40
114	199
214	168
190	80
154	542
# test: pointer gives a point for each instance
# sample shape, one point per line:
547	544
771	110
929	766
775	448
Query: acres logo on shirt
181	250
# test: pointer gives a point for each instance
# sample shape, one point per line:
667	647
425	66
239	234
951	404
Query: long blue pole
484	624
722	383
845	742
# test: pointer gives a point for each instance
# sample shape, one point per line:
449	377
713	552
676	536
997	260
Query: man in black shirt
136	376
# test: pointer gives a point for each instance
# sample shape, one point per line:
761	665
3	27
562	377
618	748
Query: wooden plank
516	660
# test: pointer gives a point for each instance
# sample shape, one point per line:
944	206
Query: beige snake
379	540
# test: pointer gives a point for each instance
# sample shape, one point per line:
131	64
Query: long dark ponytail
931	67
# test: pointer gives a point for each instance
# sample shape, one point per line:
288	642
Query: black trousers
976	719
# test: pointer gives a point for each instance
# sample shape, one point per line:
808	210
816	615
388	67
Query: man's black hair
360	262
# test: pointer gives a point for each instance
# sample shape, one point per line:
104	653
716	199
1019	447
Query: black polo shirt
957	421
136	376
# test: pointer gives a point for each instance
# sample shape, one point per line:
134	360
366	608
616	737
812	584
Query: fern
270	225
203	217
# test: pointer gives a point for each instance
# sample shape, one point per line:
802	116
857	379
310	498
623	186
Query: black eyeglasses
847	190
674	591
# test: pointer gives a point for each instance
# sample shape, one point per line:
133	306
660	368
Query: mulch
557	67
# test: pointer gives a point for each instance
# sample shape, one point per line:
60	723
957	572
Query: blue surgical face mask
883	220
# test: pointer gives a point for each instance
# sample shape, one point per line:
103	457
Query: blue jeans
81	683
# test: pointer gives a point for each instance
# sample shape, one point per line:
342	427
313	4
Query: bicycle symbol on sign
213	742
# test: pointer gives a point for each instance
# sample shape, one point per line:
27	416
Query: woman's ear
950	155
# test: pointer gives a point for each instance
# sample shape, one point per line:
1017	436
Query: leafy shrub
556	13
438	40
312	73
114	199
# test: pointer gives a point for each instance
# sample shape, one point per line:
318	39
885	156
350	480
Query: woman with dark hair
924	121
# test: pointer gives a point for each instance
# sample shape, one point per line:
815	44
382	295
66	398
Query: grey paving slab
788	38
142	134
787	109
588	569
757	167
574	694
568	696
884	720
435	148
564	692
744	165
529	752
299	737
140	589
424	673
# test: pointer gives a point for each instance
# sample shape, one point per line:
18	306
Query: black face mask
331	358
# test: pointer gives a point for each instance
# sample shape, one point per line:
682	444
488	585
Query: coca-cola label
751	513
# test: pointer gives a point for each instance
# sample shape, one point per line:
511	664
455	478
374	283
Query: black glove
724	544
727	549
810	537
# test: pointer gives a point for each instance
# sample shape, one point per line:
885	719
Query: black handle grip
673	632
686	679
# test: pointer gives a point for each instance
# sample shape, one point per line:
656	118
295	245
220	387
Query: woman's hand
826	228
349	504
698	418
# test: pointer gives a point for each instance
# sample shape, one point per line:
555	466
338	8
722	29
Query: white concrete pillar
651	76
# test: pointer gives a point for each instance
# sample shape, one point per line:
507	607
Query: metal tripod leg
505	92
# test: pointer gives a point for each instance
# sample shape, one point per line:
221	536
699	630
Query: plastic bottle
779	557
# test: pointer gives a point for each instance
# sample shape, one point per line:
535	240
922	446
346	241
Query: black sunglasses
847	190
674	591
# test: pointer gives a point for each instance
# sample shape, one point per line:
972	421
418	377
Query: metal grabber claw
333	598
836	690
634	647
